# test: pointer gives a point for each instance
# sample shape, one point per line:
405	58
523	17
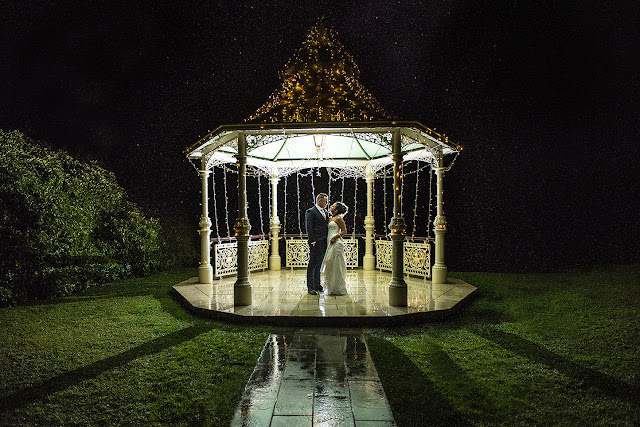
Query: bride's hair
341	208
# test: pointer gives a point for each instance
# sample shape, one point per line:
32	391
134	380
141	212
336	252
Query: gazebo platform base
281	298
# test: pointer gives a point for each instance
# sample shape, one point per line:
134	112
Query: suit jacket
316	225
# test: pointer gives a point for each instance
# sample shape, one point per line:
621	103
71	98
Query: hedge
65	224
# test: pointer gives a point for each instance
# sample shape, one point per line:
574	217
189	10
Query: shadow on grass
158	286
610	386
414	398
68	379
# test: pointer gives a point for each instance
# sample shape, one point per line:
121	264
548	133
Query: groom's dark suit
317	231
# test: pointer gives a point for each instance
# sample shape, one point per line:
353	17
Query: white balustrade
226	257
298	252
417	257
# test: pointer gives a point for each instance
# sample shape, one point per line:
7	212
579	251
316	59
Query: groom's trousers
316	256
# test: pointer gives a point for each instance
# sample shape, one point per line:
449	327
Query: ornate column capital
440	223
205	223
368	174
398	226
242	227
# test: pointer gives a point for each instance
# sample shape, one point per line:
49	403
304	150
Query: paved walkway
314	377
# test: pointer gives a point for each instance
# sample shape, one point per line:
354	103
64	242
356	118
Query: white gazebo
322	117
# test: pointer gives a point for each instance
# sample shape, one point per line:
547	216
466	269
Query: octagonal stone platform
281	298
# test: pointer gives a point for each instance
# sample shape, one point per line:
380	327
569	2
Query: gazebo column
205	271
439	273
369	261
274	258
397	285
242	287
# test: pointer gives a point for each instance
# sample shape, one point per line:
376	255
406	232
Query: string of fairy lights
298	188
385	175
320	84
260	205
334	174
215	207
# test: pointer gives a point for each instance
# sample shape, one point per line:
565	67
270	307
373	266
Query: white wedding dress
335	263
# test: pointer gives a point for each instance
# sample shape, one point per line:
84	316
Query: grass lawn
123	353
548	349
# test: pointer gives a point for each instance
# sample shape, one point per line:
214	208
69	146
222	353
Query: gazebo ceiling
280	149
320	117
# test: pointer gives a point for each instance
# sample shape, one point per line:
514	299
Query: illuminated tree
320	84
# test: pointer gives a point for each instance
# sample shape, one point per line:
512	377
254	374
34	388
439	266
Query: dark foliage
65	225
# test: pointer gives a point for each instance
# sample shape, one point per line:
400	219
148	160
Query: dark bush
65	225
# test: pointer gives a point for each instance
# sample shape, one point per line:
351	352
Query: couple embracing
326	248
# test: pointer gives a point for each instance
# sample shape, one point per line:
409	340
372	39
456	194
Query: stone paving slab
314	377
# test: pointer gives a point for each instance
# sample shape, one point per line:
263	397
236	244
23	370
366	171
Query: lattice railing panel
384	259
258	254
225	257
417	257
297	254
351	252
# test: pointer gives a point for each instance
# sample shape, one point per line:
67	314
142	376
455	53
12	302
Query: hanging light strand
452	162
401	188
226	204
355	204
215	205
260	204
384	190
193	164
329	185
269	207
313	185
430	195
284	225
415	206
298	189
373	197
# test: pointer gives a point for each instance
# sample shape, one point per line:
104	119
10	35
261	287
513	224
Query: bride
335	263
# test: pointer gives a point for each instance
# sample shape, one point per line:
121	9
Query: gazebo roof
320	84
320	117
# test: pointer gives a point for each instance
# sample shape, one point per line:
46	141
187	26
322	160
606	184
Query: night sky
544	96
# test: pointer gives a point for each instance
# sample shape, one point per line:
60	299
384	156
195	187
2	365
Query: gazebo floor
281	298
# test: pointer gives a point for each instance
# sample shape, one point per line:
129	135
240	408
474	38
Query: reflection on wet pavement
283	295
314	377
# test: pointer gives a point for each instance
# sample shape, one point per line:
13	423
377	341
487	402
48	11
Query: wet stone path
314	377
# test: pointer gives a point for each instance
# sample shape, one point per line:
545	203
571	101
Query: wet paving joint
314	377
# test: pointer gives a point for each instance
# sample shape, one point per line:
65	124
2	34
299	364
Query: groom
316	219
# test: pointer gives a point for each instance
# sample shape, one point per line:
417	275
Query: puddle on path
314	377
